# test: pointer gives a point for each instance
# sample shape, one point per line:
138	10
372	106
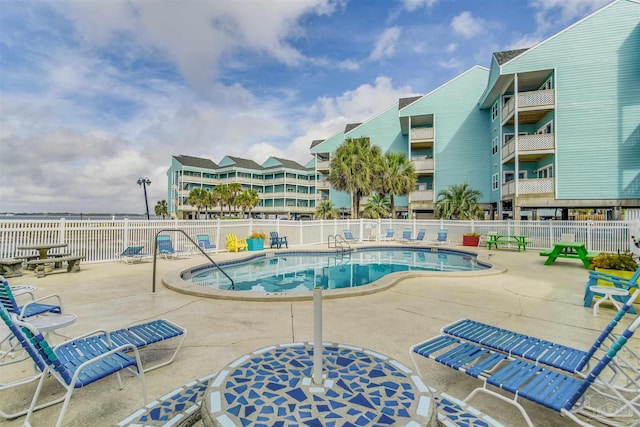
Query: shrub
257	235
623	262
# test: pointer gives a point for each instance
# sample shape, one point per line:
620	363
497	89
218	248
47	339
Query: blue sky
95	94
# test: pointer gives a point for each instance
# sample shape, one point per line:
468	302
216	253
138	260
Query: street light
144	182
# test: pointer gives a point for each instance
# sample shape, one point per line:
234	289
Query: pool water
301	272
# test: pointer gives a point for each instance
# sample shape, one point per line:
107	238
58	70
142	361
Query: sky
95	94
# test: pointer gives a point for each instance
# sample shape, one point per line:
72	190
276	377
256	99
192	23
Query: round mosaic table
273	387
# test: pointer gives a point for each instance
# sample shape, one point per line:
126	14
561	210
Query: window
505	99
546	85
509	175
494	111
506	137
548	128
545	172
494	146
494	181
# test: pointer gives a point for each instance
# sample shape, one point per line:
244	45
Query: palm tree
235	188
377	207
398	177
198	198
355	168
458	202
326	210
223	195
248	199
161	208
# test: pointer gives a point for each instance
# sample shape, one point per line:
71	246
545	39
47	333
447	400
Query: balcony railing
322	165
529	143
422	165
528	186
421	196
529	100
322	184
421	134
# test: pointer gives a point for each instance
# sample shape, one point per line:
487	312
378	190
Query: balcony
531	187
198	180
322	165
421	196
322	184
422	165
532	106
531	148
421	137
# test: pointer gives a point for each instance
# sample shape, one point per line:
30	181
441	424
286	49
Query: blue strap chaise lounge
610	380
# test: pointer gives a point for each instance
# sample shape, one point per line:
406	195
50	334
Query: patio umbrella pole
317	335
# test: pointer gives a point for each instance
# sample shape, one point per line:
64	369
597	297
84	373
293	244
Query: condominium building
286	188
545	129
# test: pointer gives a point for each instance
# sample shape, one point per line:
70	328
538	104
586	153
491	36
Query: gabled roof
196	162
316	142
240	162
289	164
351	126
507	55
403	102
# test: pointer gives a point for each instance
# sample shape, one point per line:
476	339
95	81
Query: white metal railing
322	165
421	196
421	134
103	240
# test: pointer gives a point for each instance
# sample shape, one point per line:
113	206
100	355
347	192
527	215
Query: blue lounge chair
132	254
419	237
166	249
443	237
390	234
619	282
561	392
34	307
348	236
537	350
76	363
406	234
205	243
278	241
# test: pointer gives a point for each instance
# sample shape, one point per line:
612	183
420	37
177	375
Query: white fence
102	241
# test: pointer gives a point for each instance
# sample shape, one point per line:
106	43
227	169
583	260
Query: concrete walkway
545	301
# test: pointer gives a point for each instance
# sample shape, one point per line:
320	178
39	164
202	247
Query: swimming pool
292	272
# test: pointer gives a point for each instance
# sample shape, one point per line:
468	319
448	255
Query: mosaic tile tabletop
272	387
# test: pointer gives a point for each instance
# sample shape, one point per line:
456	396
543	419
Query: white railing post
61	230
317	335
125	233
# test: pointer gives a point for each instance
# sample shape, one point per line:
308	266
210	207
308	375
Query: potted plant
620	265
255	241
470	239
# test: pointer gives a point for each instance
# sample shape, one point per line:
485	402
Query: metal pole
146	201
317	335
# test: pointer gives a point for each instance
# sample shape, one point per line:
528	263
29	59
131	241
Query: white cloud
386	43
467	25
412	5
553	13
451	47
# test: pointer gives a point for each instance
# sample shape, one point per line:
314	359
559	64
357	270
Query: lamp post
144	182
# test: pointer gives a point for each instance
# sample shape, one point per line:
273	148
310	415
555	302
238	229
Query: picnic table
494	239
575	250
43	249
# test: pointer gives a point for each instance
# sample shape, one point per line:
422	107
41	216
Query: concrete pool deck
529	297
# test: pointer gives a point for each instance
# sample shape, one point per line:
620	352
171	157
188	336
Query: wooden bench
10	267
73	263
494	239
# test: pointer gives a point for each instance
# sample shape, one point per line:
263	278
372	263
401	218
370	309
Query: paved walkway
540	300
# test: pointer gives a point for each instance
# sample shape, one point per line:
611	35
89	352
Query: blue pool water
301	272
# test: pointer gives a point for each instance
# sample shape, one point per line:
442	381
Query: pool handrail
338	240
155	254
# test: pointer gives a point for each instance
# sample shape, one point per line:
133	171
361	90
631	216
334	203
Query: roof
403	102
351	126
316	142
289	164
507	55
197	162
245	163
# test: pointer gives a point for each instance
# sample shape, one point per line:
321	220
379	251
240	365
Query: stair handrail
155	254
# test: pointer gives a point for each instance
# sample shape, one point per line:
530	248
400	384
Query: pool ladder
339	243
